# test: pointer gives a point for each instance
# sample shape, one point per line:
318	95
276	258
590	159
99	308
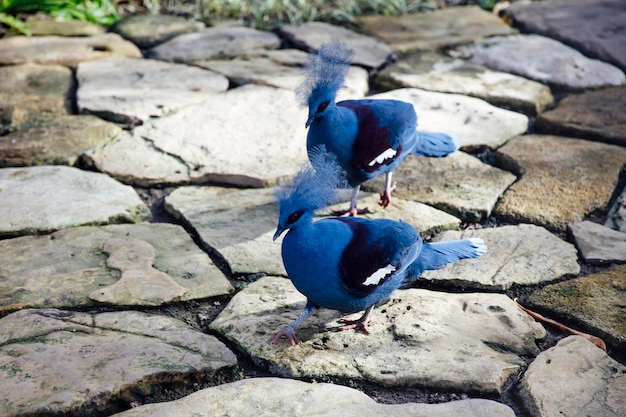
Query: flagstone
214	43
46	27
598	244
133	160
596	383
517	255
267	397
545	60
58	141
592	27
132	264
238	224
67	51
251	136
265	70
63	362
32	93
148	30
594	115
471	342
562	179
129	90
369	52
48	198
433	31
459	184
459	77
476	122
591	304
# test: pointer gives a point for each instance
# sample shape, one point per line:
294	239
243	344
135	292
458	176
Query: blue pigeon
349	263
370	137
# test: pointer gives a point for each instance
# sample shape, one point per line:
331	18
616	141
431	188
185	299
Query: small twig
593	339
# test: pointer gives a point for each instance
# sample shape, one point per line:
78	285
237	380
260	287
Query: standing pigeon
369	136
348	263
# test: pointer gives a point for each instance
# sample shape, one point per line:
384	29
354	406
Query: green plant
102	12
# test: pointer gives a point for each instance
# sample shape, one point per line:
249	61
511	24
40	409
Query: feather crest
315	185
325	69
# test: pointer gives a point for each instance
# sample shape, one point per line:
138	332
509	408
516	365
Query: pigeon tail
436	144
436	255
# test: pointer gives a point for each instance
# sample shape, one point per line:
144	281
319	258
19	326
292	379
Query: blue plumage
370	137
346	263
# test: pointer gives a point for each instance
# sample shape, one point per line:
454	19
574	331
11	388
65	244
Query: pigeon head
325	73
314	187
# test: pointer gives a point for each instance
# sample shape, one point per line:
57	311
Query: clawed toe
354	324
288	333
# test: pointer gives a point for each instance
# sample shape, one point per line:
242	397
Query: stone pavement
137	180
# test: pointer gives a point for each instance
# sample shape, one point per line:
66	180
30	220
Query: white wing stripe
379	275
389	153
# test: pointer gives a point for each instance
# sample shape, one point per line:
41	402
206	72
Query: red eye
294	216
322	106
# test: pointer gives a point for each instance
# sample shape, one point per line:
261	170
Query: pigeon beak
279	231
309	120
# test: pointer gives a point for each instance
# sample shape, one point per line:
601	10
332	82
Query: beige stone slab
268	397
45	198
471	342
65	362
138	264
561	179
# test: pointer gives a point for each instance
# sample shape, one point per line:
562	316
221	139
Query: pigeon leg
352	211
385	196
290	330
358	323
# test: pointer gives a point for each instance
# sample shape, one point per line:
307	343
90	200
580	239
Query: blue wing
377	251
386	132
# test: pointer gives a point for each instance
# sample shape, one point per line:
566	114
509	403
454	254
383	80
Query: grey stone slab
596	383
264	70
518	255
265	397
129	91
59	141
214	43
251	136
64	50
32	93
238	224
593	27
598	244
63	362
148	30
133	160
459	77
597	115
616	218
459	184
545	60
133	264
591	303
476	122
561	179
471	342
432	31
369	51
46	198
